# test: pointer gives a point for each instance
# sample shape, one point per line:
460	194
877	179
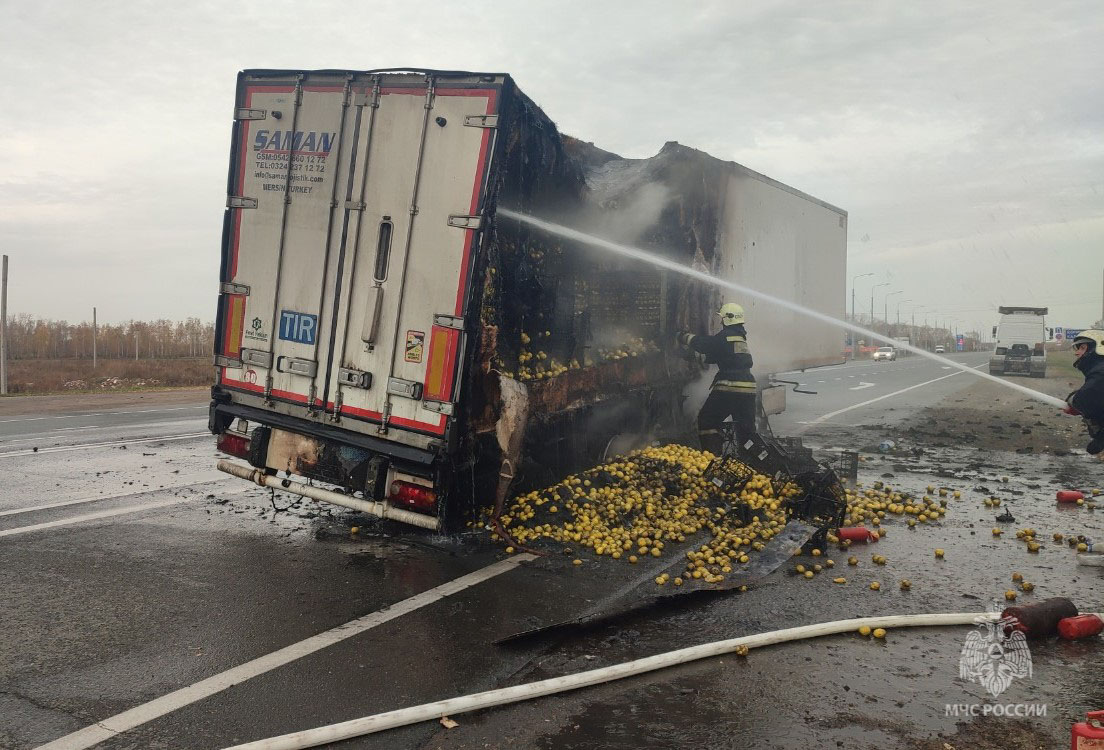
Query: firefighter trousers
720	405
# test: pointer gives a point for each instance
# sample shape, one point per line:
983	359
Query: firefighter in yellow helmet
732	393
1088	400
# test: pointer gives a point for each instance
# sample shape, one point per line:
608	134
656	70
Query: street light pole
853	320
899	309
872	289
885	303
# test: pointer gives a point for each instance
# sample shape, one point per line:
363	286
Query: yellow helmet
731	314
1092	336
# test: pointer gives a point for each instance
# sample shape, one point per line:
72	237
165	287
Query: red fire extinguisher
1089	734
1070	496
856	534
1082	626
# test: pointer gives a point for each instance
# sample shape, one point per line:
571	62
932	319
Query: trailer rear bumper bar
372	507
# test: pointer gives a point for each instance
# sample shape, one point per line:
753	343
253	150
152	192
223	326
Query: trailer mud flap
634	589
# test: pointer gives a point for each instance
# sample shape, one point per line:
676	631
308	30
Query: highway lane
863	392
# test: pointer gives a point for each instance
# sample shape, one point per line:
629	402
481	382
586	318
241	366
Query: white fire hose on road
452	706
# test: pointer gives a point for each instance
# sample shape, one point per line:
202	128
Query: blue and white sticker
298	327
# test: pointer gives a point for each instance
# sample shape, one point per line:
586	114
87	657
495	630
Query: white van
1021	338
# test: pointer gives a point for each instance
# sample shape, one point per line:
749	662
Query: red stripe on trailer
465	262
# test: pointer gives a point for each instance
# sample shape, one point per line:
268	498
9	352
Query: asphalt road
858	392
152	602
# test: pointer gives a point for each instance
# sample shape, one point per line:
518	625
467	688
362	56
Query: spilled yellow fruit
864	630
939	553
874	586
879	633
839	580
906	584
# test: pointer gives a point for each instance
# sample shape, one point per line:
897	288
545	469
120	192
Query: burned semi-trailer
383	330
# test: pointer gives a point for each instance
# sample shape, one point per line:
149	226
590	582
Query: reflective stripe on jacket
728	350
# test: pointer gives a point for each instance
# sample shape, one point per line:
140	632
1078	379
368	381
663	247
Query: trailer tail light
233	444
413	496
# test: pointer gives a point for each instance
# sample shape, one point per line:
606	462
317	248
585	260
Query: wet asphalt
185	575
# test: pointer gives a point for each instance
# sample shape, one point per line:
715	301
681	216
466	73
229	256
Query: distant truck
382	329
1021	337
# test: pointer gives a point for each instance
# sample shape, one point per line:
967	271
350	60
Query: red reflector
235	445
413	496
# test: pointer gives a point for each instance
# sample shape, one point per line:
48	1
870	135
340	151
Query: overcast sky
966	140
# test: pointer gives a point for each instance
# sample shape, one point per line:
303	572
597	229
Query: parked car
940	350
885	352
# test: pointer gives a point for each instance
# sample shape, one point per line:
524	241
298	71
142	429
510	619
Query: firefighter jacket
728	350
1088	400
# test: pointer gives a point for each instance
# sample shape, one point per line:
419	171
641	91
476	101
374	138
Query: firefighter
732	393
1088	400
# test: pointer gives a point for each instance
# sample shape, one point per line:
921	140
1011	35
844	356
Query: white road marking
102	414
93	516
145	491
67	448
48	435
115	725
861	386
826	417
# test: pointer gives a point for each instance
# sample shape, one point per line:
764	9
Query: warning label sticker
415	345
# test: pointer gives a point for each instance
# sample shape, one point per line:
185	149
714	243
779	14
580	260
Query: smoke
695	394
629	215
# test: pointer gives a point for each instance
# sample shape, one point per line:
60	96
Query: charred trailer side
373	310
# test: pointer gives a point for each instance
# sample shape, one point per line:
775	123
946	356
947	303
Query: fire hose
476	701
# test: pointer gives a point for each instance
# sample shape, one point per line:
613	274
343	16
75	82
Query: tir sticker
415	345
298	327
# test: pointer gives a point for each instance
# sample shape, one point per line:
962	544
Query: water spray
661	262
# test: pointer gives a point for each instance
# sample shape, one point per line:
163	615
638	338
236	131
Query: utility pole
885	303
93	338
136	346
872	289
4	330
854	344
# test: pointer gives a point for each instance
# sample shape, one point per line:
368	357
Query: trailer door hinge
239	201
405	388
462	221
441	407
354	205
229	287
256	357
244	113
354	378
448	321
221	360
481	121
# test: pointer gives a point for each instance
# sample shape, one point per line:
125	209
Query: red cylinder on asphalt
1039	620
856	534
1069	496
1089	733
1082	626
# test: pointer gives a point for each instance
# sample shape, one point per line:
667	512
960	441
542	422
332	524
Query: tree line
29	337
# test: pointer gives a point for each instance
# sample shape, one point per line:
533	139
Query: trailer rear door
345	279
